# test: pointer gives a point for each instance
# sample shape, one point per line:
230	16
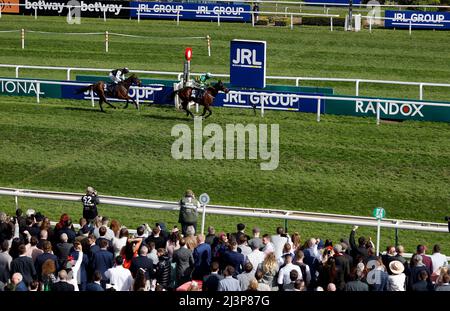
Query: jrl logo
246	58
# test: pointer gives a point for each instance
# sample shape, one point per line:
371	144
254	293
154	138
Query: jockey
118	75
200	84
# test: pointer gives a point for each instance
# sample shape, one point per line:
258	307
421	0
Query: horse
120	91
206	99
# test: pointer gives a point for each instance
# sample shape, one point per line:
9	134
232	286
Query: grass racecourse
342	165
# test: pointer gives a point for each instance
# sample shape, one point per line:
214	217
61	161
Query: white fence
178	75
234	210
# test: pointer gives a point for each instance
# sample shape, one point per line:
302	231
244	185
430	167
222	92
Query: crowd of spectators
101	254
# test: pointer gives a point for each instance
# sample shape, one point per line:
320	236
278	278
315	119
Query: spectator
119	242
62	285
156	238
425	259
115	228
400	252
233	258
331	287
6	228
24	265
130	251
119	277
293	275
96	285
65	226
184	261
84	230
438	260
439	280
80	273
102	261
416	266
142	262
211	281
104	223
173	243
284	277
445	286
256	257
228	283
102	236
256	237
346	252
262	287
246	277
396	281
152	253
240	232
304	268
296	241
202	258
279	240
312	256
359	252
92	249
163	269
188	211
268	246
18	283
34	286
141	282
90	201
43	237
34	251
287	249
191	239
422	285
47	275
63	249
211	237
357	284
270	268
5	262
41	259
243	247
389	256
378	275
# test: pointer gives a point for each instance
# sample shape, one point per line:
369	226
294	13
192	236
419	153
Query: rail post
35	12
253	19
104	15
208	42
38	92
396	237
17	71
331	23
286	11
262	108
218	19
370	24
22	37
421	91
139	15
378	112
68	74
410	26
178	17
318	109
292	21
357	87
92	98
16	200
106	41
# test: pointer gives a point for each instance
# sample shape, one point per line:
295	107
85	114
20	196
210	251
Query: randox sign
191	11
88	8
248	63
389	109
419	20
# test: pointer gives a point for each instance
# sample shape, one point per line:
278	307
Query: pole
106	41
22	37
378	112
292	22
92	98
178	17
16	200
286	226
396	237
421	91
410	26
139	15
370	24
104	15
378	235
318	110
203	218
208	39
35	13
218	19
38	91
331	23
137	99
262	108
253	19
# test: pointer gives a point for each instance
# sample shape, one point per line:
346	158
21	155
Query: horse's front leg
126	104
209	112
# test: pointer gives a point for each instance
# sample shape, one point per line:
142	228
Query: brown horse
120	91
205	99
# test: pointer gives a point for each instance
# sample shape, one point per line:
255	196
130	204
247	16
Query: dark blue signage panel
248	63
418	20
191	11
331	2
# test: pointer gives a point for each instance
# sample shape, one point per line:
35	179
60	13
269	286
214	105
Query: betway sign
389	109
88	8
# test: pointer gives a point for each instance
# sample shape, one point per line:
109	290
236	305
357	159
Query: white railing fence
178	75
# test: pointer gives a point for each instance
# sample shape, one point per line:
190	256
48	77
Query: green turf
341	165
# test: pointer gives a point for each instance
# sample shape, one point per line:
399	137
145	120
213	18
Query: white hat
396	267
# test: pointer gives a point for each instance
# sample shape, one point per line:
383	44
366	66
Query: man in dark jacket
90	201
202	258
184	261
47	247
234	259
103	260
24	265
211	281
62	285
422	285
188	211
142	262
163	269
63	249
342	267
360	251
95	286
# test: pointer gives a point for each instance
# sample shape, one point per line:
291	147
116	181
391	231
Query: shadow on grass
84	109
161	117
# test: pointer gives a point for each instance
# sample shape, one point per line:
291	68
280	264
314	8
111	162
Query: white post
22	37
139	15
0	13
292	21
16	200
106	41
178	17
378	112
378	235
318	109
38	91
17	71
104	15
35	13
137	99
370	24
331	23
410	26
262	108
208	39
203	218
196	107
357	87
218	19
421	91
92	98
68	74
285	11
253	19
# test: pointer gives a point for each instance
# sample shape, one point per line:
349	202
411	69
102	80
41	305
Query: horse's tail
84	89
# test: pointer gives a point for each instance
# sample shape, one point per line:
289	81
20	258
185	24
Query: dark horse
205	99
120	91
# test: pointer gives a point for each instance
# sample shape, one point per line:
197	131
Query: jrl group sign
191	11
248	63
418	19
